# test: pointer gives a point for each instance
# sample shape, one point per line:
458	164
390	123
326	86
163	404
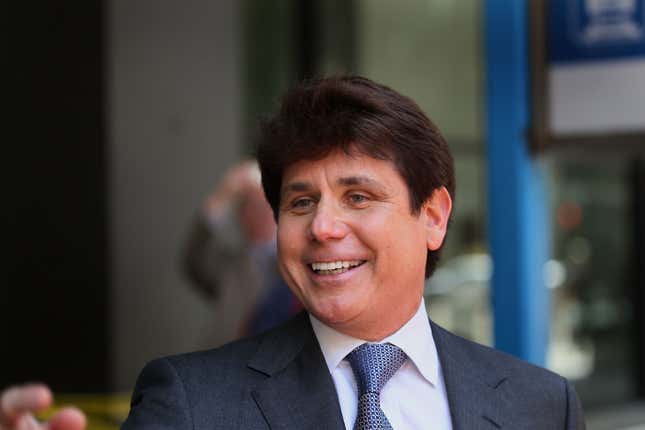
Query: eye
302	204
357	199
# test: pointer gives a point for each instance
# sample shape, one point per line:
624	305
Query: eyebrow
296	187
356	180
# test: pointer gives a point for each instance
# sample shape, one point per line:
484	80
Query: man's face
348	245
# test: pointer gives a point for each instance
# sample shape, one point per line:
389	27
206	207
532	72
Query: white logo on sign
609	21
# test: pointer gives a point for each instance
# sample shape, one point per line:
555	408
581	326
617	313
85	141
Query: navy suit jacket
279	380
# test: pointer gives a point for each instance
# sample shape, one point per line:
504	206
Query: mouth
335	267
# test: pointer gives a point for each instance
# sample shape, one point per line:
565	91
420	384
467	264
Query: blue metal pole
518	220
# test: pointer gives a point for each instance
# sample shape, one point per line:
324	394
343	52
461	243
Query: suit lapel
474	389
299	391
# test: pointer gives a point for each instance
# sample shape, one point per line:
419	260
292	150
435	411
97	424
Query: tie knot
374	364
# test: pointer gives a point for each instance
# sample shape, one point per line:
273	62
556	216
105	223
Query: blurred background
124	115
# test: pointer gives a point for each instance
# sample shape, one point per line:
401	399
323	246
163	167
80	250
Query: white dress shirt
415	397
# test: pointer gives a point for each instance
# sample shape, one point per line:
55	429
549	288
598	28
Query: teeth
335	265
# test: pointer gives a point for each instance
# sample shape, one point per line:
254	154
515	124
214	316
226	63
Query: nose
327	224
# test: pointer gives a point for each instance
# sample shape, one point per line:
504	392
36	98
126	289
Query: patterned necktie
373	365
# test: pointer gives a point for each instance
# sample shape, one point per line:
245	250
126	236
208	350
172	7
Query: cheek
288	257
399	244
289	242
385	230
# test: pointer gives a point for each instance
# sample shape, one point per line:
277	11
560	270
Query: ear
436	212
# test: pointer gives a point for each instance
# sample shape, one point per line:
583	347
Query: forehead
340	168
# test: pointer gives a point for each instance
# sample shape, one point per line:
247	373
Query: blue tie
373	365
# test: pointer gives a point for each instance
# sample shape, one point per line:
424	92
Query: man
361	184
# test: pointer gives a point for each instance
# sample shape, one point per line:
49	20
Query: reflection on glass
591	313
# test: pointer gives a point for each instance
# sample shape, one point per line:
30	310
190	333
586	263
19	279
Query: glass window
592	316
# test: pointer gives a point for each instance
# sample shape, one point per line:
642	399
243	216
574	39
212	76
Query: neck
380	327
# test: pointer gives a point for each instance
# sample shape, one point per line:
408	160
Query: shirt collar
414	338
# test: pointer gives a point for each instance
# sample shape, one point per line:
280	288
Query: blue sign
580	30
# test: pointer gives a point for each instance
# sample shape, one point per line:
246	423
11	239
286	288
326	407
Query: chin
334	313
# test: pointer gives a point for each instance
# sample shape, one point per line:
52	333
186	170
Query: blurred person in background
230	258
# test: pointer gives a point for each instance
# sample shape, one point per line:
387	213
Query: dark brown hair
357	116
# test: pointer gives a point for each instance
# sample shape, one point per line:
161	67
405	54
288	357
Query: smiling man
361	184
351	247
